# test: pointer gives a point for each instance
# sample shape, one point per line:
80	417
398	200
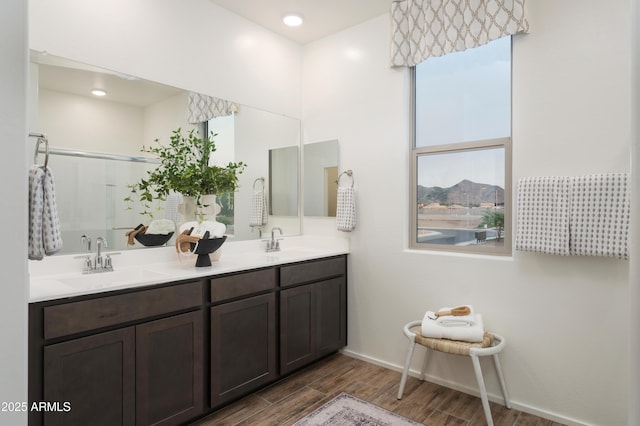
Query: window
461	156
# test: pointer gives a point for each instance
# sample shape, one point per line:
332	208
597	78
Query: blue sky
462	97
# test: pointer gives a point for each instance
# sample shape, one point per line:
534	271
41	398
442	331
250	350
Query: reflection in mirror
283	176
90	192
320	177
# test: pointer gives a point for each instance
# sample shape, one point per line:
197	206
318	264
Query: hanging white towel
600	215
542	218
45	237
346	209
258	215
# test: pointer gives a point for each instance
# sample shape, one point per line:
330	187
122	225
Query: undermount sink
113	278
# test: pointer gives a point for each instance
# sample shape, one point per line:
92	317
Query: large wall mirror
95	146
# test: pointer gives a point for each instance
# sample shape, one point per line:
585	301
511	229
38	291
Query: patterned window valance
424	28
201	108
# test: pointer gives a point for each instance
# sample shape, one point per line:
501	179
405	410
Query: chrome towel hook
261	180
42	138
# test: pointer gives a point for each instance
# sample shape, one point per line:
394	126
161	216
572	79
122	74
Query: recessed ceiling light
292	19
98	92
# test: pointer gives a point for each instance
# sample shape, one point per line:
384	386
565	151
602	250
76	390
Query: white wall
191	44
565	359
256	133
571	97
82	123
634	273
13	207
162	118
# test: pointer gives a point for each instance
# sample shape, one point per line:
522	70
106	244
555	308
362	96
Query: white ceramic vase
207	210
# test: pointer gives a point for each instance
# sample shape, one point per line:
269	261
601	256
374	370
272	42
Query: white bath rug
347	410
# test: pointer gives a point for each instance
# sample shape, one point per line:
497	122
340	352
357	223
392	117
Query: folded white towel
45	237
161	226
472	333
346	209
457	321
258	215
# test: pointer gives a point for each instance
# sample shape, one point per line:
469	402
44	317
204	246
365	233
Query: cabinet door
169	370
297	327
331	302
95	375
243	346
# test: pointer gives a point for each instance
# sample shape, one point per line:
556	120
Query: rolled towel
457	320
472	333
161	226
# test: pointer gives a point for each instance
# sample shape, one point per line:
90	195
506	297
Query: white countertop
59	277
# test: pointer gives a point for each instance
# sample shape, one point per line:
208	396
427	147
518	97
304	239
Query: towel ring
41	138
261	180
348	173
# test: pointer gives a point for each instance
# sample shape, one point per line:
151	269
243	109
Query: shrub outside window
461	155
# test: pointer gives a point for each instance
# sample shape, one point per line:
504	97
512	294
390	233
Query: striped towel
600	215
258	215
45	237
543	215
346	209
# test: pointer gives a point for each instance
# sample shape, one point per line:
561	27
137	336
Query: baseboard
471	391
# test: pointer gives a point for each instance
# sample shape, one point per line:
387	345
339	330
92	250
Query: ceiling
321	17
62	75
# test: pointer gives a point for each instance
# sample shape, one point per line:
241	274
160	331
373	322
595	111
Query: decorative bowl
152	240
204	247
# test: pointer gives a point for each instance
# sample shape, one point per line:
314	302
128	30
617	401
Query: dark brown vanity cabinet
140	371
313	311
169	370
170	353
243	334
95	375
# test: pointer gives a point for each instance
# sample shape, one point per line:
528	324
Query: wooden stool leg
503	386
412	345
483	390
424	364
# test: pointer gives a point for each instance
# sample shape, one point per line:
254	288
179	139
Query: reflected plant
184	168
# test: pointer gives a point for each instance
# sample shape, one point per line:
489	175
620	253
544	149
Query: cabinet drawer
243	284
312	271
76	317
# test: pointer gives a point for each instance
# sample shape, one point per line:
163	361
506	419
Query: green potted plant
184	168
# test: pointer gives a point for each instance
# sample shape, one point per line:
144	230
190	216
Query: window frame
415	153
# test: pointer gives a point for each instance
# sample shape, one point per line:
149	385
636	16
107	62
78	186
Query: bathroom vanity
174	348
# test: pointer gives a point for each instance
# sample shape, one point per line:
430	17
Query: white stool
491	345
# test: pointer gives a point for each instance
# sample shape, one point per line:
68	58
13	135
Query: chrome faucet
86	241
274	244
99	263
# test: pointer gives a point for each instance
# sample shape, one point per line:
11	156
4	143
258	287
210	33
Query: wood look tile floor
287	400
